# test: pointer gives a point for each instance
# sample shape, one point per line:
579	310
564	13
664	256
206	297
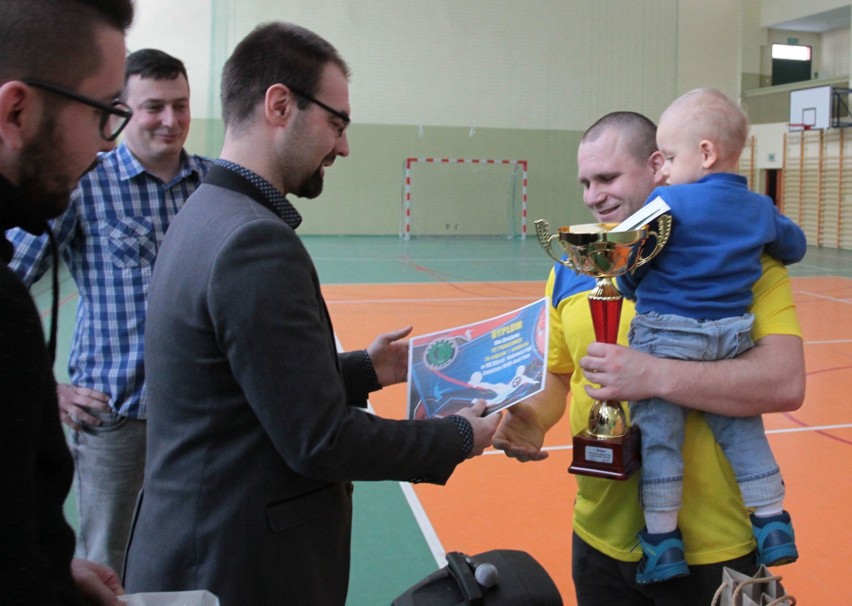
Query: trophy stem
606	418
605	303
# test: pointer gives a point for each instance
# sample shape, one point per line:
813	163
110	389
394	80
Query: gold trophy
608	447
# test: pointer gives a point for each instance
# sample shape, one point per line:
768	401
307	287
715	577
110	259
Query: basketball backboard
810	108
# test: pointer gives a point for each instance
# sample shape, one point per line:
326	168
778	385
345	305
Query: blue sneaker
662	557
776	542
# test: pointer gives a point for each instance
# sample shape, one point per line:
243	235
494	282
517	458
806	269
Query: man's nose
167	116
593	194
342	147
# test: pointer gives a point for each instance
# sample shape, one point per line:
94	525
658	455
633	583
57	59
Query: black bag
501	577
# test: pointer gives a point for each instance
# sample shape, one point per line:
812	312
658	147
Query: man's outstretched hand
520	435
483	427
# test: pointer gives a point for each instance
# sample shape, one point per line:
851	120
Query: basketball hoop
799	126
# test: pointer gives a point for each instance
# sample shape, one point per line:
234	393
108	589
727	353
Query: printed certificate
500	360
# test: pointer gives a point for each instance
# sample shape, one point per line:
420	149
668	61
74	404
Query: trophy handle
661	236
542	230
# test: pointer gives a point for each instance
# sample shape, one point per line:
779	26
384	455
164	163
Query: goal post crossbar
406	201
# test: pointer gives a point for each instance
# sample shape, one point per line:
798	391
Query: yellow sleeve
773	307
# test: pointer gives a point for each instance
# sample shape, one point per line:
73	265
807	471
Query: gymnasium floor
373	284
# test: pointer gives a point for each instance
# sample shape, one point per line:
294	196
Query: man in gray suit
254	431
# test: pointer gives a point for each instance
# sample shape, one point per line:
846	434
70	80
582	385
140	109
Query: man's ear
655	163
20	114
278	104
709	153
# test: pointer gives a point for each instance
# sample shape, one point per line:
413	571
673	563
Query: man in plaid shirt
109	238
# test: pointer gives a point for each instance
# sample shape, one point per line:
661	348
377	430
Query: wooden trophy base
612	458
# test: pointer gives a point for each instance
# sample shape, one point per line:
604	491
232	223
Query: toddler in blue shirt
691	303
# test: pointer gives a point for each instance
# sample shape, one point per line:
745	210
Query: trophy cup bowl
593	250
608	447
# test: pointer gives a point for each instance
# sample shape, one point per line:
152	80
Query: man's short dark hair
641	133
273	53
154	64
54	39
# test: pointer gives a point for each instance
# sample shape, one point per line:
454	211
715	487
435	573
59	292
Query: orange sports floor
494	502
374	284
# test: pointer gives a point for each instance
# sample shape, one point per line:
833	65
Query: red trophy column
607	448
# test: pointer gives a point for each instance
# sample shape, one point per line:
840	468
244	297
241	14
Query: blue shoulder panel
568	283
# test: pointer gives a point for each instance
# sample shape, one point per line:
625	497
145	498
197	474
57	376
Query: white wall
181	29
835	54
709	52
532	64
769	145
753	37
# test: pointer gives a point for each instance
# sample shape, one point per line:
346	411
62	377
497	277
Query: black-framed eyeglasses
114	116
334	112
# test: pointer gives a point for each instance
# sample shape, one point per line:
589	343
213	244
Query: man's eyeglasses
114	116
337	113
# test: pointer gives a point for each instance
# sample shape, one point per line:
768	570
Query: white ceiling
821	22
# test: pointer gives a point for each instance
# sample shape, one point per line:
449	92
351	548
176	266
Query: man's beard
311	187
42	180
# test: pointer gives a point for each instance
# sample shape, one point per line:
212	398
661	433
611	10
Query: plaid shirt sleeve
109	238
32	253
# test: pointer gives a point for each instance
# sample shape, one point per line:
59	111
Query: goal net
464	197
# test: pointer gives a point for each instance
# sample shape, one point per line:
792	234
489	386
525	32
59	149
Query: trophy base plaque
612	458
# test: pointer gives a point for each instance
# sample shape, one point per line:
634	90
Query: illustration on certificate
500	360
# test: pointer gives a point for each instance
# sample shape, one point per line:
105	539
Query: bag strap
718	595
784	600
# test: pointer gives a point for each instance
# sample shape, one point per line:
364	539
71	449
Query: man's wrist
466	432
372	377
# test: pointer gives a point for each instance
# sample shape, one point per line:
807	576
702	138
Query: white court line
433	300
416	506
817	295
435	545
432	283
453	300
768	431
828	342
422	519
426	262
811	428
545	449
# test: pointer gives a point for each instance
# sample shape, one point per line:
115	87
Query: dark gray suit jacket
251	442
